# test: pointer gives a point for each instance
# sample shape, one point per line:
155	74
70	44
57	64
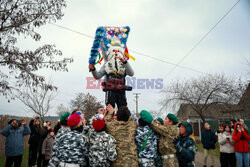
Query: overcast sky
165	29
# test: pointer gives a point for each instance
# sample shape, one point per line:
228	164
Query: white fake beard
113	64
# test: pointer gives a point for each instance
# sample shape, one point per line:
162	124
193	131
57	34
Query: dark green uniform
186	147
185	151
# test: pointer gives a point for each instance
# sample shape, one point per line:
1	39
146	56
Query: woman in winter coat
241	146
227	155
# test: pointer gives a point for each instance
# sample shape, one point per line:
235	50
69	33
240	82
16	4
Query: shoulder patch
85	137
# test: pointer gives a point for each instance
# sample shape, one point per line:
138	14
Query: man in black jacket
208	140
34	140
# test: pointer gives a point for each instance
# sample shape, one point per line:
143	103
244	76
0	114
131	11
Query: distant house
214	112
217	112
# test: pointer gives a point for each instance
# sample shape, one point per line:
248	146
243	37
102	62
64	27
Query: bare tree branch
203	92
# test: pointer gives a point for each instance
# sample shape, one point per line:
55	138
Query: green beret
64	116
146	116
160	120
173	118
188	126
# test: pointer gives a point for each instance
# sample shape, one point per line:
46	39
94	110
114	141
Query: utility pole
136	102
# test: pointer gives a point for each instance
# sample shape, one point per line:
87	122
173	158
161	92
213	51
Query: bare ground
199	160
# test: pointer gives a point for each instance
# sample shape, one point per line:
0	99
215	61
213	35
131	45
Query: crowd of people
109	138
117	138
233	140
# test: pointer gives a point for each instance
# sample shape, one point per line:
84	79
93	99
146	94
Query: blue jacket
14	139
208	139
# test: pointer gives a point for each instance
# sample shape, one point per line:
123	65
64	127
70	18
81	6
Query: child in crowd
47	147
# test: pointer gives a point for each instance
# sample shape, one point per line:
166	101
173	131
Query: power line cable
192	49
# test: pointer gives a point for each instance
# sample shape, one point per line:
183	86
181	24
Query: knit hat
173	118
98	124
160	120
188	126
74	119
146	116
64	116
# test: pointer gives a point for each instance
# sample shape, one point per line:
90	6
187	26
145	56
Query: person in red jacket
241	146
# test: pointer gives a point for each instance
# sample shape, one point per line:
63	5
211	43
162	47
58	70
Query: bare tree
86	103
61	109
19	67
37	100
203	92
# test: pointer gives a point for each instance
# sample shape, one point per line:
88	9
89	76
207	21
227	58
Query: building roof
216	111
220	111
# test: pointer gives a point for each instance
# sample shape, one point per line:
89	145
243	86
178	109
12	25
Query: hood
235	126
17	120
188	126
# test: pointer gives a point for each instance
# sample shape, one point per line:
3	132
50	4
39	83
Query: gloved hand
176	142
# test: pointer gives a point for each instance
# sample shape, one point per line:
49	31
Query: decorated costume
111	42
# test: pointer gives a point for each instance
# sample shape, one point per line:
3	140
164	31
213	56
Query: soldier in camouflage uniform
146	140
102	148
169	131
185	145
71	147
123	130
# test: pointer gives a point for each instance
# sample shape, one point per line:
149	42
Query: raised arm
129	70
99	74
166	131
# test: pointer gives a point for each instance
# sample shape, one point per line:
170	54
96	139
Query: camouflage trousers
125	162
144	162
170	162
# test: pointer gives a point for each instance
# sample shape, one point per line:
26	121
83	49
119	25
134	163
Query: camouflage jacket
168	134
62	131
70	147
150	149
187	151
124	134
102	149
